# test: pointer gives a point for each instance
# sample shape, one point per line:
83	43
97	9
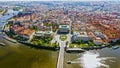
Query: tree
40	42
90	43
35	28
71	45
67	43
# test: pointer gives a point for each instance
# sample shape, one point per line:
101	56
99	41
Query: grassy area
71	45
44	42
41	43
63	37
78	45
81	44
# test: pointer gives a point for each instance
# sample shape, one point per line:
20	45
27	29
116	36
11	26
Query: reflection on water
103	58
92	60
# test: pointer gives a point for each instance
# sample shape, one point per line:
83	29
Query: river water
21	56
104	58
10	13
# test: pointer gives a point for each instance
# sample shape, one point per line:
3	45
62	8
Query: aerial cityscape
60	34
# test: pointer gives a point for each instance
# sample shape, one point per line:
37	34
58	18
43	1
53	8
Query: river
16	55
21	56
103	58
10	13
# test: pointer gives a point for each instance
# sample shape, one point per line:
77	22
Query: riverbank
31	45
40	47
83	49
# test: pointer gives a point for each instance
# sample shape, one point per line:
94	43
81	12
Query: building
48	33
27	33
16	28
98	41
43	33
63	29
81	36
98	34
39	33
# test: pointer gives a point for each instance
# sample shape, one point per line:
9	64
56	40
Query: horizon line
61	0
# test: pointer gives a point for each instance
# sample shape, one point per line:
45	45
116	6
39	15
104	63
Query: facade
80	36
15	29
63	29
48	33
26	33
99	34
43	33
39	33
98	41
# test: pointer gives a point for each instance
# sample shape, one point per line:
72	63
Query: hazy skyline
59	0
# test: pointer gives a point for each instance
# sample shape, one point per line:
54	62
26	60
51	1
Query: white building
63	28
99	34
43	33
80	36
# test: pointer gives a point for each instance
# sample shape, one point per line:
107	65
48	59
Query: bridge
61	55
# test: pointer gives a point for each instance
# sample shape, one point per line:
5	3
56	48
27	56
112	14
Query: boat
68	62
9	39
2	44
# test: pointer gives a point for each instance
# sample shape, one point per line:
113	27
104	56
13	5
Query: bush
67	43
71	45
55	44
77	42
90	43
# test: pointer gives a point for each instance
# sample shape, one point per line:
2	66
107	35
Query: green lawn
63	37
44	42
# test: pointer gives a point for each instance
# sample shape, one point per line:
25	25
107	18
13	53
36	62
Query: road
61	55
62	44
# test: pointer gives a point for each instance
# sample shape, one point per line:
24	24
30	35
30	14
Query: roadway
60	63
62	44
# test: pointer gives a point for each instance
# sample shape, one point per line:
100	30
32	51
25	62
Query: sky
59	0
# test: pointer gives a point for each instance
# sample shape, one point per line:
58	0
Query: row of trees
81	42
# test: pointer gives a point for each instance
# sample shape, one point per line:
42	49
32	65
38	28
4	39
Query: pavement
62	45
61	55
